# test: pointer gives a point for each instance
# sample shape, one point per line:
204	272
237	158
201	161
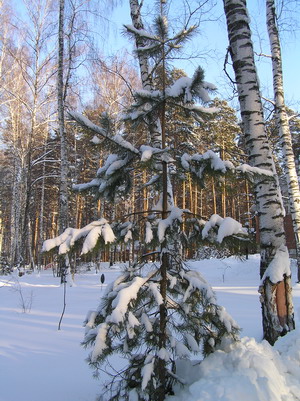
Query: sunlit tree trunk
146	77
277	306
214	199
63	190
283	124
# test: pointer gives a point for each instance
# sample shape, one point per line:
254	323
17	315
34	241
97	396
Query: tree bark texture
63	190
283	124
153	121
268	197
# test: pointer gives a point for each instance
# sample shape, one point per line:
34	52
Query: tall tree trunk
63	190
153	121
283	124
41	215
156	126
277	306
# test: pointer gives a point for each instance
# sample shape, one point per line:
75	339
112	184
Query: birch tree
276	299
282	119
63	190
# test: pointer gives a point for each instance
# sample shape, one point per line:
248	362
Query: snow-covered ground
38	362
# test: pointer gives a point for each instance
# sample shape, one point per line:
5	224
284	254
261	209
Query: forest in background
31	144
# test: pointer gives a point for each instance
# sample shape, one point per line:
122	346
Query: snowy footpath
40	363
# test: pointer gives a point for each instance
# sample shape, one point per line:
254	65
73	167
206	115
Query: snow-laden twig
117	139
92	232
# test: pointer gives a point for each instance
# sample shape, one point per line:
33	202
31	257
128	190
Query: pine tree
155	313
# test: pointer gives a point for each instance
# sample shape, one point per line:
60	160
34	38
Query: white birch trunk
63	190
276	320
153	121
283	124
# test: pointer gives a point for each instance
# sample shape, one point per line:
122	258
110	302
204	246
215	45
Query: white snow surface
247	371
38	362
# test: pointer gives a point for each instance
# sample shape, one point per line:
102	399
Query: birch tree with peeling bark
276	298
283	124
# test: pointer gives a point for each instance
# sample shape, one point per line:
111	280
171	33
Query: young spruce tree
155	314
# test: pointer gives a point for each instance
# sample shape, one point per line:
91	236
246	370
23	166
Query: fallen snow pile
247	371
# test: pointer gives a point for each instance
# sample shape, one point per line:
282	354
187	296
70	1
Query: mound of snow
247	371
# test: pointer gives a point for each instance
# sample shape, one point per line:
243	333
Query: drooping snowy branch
253	172
100	342
147	371
112	178
225	227
92	232
210	161
117	139
200	165
175	214
141	32
124	297
196	281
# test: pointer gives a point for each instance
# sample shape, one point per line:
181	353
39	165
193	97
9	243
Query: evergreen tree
155	313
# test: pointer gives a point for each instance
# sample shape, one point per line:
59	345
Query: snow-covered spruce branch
226	227
117	140
210	162
91	232
182	93
216	229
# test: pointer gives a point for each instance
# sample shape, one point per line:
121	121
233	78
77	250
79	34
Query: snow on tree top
125	144
110	159
82	187
116	165
147	152
201	109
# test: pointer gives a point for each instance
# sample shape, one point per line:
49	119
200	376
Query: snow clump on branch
92	232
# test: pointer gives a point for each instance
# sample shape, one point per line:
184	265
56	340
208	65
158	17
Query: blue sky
212	40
